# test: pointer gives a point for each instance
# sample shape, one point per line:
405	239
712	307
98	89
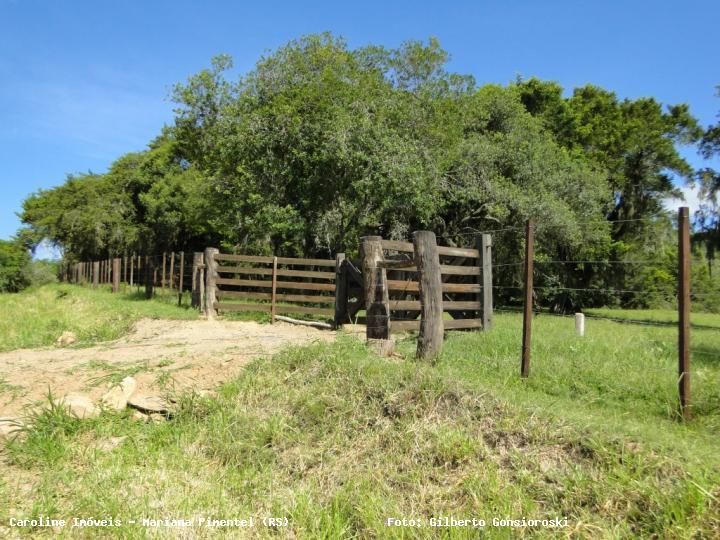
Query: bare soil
163	357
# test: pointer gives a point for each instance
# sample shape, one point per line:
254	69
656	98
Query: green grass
338	440
36	317
655	315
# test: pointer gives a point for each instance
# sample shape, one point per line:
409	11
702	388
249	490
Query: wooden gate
275	285
466	285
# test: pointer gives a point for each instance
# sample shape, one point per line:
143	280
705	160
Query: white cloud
692	200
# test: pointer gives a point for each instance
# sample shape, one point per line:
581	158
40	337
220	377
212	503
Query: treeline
321	144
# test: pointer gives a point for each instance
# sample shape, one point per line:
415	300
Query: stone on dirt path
66	338
80	406
149	403
117	397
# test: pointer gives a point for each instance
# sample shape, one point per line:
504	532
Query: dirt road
161	355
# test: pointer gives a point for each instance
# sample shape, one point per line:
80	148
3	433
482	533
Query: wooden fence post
377	299
211	275
149	275
684	310
487	282
274	291
116	274
172	269
132	269
527	312
432	328
162	277
96	273
198	284
340	290
180	278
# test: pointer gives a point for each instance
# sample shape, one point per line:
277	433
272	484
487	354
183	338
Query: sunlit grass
337	440
38	316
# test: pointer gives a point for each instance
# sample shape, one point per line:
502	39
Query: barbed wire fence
515	285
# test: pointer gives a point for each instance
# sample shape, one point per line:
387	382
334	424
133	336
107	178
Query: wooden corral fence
276	285
410	286
402	286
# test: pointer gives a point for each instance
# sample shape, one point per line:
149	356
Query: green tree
14	266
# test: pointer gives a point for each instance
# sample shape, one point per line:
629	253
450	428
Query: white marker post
580	324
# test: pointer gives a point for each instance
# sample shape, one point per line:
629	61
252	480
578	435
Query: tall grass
339	440
38	316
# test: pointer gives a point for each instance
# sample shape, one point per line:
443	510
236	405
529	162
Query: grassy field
655	316
338	440
36	317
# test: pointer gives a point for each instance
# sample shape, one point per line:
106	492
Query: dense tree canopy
321	144
14	266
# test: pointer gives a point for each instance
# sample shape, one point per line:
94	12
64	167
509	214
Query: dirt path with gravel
162	356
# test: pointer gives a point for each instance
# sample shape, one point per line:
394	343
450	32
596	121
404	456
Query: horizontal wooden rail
445	269
242	307
414	305
243	258
267	284
268	272
396	245
449	270
268	260
413	286
459	252
313	299
279	308
306	262
404	326
302	309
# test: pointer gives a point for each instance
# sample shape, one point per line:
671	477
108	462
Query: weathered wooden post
273	294
377	299
684	310
211	276
340	291
432	328
95	274
149	275
487	282
162	277
198	281
116	274
527	311
172	270
132	269
181	276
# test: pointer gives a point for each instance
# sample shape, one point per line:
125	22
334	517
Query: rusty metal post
527	311
684	310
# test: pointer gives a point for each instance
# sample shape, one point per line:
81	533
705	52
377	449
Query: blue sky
82	82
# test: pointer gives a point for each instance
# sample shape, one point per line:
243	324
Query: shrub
14	264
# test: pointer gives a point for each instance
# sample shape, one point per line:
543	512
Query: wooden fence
276	285
392	280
